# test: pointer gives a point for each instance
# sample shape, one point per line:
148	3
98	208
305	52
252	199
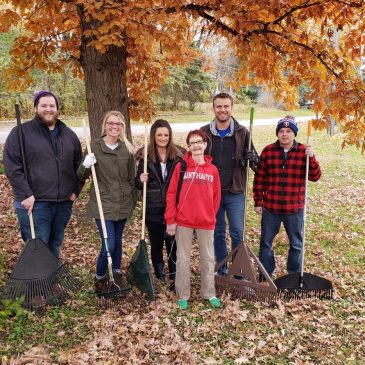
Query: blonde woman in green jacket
113	157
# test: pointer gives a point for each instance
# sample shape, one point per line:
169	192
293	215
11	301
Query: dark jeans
231	205
158	236
114	230
50	220
270	226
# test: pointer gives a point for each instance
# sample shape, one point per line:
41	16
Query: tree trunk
105	81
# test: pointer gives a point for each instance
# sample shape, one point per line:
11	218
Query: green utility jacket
115	171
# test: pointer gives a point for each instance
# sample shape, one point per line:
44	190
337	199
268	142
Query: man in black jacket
53	154
228	144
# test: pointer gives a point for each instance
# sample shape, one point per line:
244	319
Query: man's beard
48	122
222	119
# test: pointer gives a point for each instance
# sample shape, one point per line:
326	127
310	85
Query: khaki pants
184	237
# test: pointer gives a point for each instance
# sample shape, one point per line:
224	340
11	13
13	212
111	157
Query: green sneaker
215	302
183	304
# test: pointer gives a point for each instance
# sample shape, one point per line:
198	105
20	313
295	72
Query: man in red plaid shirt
278	191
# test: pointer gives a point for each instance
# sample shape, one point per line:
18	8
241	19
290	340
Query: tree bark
105	81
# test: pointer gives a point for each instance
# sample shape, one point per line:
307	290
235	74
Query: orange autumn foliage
279	44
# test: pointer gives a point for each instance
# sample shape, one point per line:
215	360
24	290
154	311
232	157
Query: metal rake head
245	277
241	289
113	293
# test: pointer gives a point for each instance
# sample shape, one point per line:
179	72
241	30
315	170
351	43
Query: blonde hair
123	137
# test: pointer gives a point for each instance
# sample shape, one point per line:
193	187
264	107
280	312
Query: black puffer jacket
156	187
51	173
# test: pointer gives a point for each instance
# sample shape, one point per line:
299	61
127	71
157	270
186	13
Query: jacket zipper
57	163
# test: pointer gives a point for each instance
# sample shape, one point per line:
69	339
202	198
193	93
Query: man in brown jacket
228	143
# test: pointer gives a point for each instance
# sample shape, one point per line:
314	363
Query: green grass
204	113
59	328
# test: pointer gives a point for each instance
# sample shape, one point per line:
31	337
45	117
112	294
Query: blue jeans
50	220
114	230
270	226
233	206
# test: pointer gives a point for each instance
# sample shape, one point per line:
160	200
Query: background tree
173	87
70	90
221	62
117	44
100	41
196	82
185	84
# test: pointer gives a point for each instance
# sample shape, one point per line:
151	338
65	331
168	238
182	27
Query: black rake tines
37	293
113	290
299	294
113	294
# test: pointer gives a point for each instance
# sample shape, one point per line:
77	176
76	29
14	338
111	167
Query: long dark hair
171	150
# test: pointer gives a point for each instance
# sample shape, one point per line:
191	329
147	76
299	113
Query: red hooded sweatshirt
199	198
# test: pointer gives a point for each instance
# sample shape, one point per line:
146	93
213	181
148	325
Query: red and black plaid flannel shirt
279	182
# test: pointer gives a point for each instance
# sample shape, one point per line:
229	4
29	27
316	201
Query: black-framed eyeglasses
190	144
112	124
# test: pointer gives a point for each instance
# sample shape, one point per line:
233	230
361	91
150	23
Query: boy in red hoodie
198	203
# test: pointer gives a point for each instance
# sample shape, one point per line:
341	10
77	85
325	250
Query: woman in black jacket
162	157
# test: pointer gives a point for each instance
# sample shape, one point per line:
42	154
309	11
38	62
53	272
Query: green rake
139	272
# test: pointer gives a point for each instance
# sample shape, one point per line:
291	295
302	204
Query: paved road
176	127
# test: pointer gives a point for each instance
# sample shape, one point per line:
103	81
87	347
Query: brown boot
100	285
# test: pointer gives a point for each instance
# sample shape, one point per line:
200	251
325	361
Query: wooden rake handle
145	182
95	180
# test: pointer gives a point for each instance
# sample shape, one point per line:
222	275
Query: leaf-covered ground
142	332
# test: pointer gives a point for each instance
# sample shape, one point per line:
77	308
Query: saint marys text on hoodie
199	197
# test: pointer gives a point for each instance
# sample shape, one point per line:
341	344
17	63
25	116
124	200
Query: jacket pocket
127	190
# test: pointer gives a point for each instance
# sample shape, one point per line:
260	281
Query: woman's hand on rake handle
144	177
89	160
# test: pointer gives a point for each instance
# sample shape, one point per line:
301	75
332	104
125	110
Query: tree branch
201	10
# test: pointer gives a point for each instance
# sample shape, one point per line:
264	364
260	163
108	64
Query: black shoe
172	286
172	281
223	271
159	272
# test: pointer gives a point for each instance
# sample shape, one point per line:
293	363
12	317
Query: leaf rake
302	285
112	289
246	277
